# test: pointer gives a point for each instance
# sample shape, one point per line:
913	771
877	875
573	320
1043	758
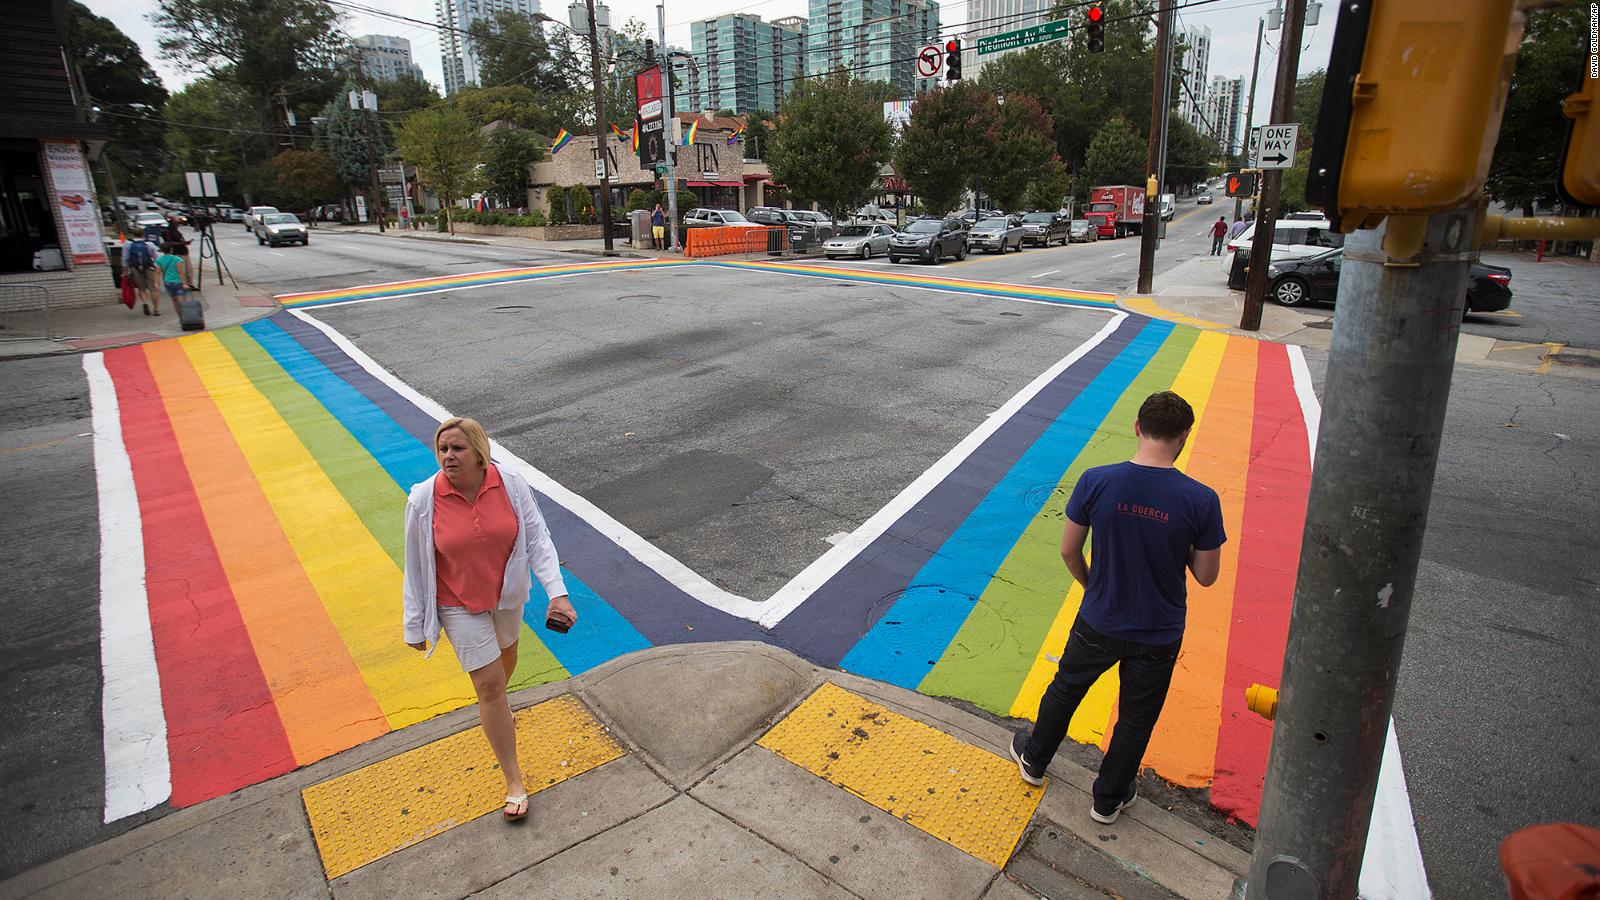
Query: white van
1291	239
1169	204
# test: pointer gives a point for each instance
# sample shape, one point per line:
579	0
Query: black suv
802	232
930	239
1045	228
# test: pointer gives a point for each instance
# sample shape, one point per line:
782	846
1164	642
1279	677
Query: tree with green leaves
507	155
305	178
946	143
1016	150
757	133
1308	103
197	137
556	196
1050	185
831	143
513	49
446	149
354	145
125	90
1117	155
1533	131
1191	156
1292	190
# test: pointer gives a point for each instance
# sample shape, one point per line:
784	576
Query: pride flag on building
635	138
734	138
688	136
621	138
562	139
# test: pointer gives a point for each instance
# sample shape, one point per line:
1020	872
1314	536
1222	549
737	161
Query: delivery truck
1116	209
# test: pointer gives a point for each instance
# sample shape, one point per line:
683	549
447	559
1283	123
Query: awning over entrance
716	184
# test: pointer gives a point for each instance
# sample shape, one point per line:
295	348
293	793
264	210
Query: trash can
114	258
1236	270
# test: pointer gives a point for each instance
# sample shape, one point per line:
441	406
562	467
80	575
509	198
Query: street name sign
1276	150
930	60
1023	37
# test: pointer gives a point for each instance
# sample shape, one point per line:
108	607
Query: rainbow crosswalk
266	470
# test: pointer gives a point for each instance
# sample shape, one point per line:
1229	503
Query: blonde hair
476	436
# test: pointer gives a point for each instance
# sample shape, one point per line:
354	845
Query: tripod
208	247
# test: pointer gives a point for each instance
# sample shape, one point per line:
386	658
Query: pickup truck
1116	209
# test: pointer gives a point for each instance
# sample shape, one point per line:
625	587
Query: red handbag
127	291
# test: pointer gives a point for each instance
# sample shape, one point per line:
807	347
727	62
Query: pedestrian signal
1580	164
1096	29
952	59
1242	184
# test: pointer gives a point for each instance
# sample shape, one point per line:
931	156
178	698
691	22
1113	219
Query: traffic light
1580	164
1411	108
1097	29
1242	184
952	59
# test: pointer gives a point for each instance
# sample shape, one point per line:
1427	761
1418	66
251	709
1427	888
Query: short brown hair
1165	416
476	436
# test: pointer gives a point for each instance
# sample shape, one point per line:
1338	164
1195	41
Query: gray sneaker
1109	816
1031	773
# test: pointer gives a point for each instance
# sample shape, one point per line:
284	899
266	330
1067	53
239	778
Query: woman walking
472	532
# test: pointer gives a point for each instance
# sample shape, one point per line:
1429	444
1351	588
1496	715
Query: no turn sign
930	61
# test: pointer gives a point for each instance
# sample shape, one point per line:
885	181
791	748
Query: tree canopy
831	143
1527	159
1117	155
946	143
446	148
507	155
126	90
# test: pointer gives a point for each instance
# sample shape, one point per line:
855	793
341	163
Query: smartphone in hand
558	625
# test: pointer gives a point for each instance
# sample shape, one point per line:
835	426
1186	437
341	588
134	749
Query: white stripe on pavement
138	770
1043	274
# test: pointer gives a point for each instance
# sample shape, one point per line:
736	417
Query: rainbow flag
635	138
734	138
621	138
562	139
688	136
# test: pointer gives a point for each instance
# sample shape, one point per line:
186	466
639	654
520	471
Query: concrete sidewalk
113	325
1195	293
703	770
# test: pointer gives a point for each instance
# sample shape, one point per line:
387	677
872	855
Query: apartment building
875	39
385	57
745	63
455	17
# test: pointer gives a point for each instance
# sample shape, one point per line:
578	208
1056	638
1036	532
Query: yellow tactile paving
963	795
370	813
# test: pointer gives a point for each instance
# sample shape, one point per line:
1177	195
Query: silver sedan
862	241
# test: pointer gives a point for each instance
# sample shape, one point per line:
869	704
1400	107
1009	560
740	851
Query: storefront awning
716	184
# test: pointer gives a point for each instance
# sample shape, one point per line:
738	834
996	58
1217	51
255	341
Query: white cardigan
420	586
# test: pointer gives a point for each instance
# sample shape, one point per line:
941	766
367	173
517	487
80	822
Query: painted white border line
328	304
1391	868
675	572
974	286
138	770
800	588
522	272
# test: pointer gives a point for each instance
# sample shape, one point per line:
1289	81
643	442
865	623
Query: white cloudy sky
1232	24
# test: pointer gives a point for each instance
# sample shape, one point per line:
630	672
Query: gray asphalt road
736	420
1495	710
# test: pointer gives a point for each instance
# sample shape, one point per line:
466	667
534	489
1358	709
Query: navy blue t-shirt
1142	521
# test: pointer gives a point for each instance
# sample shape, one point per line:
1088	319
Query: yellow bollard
1262	700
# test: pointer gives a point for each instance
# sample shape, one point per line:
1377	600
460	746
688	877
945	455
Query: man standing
1150	523
1219	231
658	228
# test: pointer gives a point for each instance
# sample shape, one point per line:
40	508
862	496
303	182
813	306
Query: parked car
930	239
802	229
281	228
822	221
717	218
1083	231
995	235
145	221
865	241
872	215
235	214
1203	200
253	215
1294	282
1291	239
1044	228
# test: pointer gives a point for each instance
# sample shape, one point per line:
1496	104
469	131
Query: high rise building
455	17
1224	109
686	81
1192	66
746	64
991	17
874	39
385	57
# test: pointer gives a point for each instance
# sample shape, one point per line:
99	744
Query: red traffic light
1096	13
952	46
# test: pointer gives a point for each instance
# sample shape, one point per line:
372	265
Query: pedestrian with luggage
139	267
471	533
174	276
1150	523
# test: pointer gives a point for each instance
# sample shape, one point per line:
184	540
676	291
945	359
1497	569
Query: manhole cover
1580	360
1326	324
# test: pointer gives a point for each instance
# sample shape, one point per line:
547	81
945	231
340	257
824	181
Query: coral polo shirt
472	542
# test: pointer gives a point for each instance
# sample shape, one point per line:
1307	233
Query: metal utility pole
1250	112
1395	330
1294	18
600	128
671	149
366	136
1158	132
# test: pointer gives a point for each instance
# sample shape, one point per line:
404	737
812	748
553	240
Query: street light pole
1255	291
600	128
366	134
670	149
1158	130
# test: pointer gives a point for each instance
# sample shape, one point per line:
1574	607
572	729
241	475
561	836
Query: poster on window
77	213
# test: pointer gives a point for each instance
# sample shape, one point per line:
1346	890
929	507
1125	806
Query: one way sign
1276	148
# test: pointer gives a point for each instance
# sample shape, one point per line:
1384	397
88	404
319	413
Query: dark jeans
1216	245
1146	674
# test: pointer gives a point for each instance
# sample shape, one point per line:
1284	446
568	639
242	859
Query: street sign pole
1294	16
1148	232
1394	344
671	116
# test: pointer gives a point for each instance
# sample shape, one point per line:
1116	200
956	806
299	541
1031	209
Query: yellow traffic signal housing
1580	167
1412	107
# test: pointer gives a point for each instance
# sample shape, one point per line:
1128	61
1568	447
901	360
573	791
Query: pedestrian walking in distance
658	228
1150	522
1219	232
472	532
139	267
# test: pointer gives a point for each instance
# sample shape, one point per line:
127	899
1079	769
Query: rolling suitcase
190	315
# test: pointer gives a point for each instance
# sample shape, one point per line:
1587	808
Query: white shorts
478	637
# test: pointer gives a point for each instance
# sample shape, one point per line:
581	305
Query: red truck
1117	209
